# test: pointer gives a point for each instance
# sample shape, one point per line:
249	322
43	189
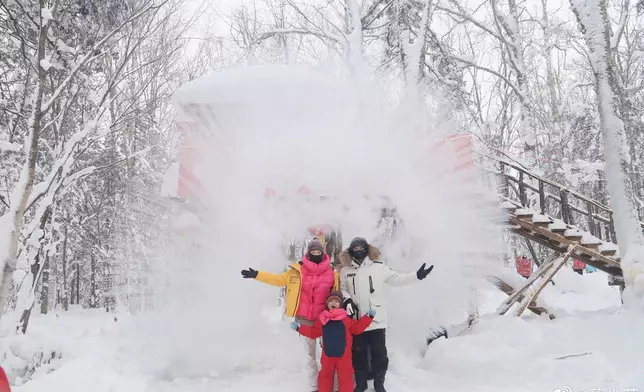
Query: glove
295	325
371	313
350	307
249	273
422	272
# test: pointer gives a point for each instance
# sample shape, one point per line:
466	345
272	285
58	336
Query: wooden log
549	274
509	290
507	304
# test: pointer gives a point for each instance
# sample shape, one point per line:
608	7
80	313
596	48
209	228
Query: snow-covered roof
261	83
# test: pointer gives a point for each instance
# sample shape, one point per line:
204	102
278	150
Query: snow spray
281	128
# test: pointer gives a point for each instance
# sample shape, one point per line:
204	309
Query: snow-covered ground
592	345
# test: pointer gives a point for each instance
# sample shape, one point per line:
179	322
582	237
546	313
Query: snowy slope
501	354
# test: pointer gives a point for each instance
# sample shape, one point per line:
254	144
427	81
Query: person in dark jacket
336	329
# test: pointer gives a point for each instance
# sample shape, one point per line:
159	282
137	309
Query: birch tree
594	24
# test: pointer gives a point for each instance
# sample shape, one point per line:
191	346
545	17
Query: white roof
265	83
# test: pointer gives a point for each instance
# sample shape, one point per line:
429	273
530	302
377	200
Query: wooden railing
549	198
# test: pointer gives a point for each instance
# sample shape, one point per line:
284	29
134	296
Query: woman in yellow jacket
308	284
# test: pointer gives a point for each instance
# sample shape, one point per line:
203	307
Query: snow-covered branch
90	56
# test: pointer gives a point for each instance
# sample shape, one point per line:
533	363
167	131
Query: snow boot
379	382
361	382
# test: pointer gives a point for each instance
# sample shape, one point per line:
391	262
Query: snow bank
52	340
582	349
508	352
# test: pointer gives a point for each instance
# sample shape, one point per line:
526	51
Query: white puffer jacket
366	285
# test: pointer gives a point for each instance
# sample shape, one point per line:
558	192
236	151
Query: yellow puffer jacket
292	280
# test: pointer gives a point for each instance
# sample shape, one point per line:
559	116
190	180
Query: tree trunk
354	44
26	313
551	80
620	188
44	292
64	261
36	271
20	194
77	283
93	302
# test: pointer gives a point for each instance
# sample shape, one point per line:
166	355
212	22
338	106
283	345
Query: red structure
4	382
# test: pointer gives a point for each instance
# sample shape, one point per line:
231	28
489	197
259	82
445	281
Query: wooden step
591	242
524	214
593	247
573	235
558	227
508	207
608	252
541	220
608	249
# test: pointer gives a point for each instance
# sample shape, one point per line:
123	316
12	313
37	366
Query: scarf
334	314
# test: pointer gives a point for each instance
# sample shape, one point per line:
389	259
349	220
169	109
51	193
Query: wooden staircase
549	214
556	217
558	236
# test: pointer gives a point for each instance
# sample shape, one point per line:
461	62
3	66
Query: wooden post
522	192
611	228
555	267
533	253
591	220
518	295
566	213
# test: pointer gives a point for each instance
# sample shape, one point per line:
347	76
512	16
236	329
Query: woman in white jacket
362	282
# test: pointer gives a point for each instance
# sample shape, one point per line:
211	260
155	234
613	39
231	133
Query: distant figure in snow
524	266
337	330
578	266
363	283
4	382
590	269
308	284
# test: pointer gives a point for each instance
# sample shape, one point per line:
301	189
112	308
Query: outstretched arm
395	278
313	332
279	280
359	326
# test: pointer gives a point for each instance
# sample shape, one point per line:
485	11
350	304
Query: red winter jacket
578	264
337	334
524	266
4	383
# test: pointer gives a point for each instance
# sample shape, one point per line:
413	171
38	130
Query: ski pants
311	361
344	369
374	341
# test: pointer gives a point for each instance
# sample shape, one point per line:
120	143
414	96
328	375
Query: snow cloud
282	128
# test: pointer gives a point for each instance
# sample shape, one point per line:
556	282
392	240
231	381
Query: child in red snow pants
336	330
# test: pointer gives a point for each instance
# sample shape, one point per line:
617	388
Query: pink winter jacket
317	282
